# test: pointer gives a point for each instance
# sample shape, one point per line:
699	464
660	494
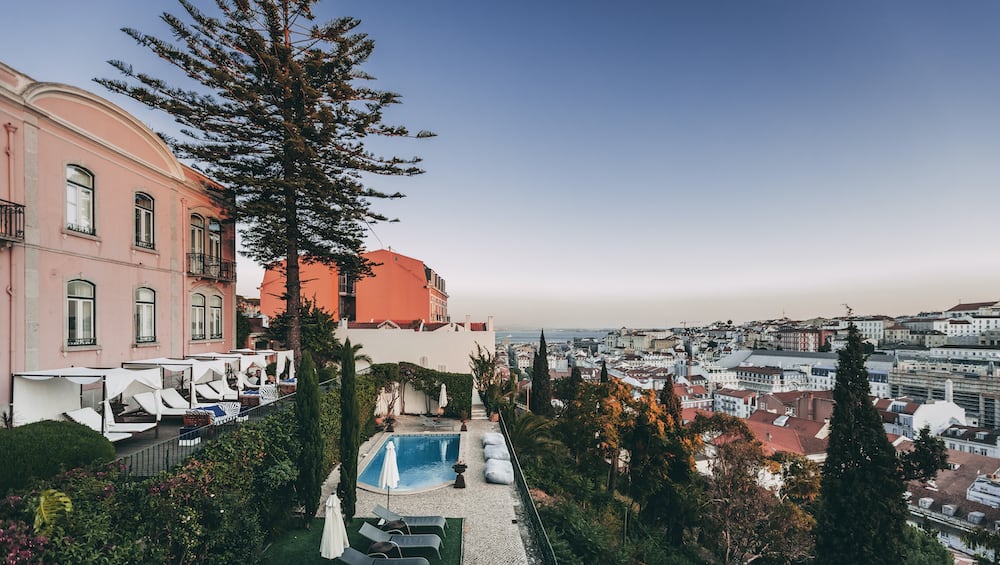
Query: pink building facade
111	250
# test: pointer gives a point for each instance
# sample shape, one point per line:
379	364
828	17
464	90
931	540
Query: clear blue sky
642	163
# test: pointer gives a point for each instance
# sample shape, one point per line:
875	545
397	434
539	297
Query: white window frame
145	315
215	317
80	200
144	226
81	313
197	317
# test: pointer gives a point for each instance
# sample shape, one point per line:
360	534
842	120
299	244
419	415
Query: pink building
111	250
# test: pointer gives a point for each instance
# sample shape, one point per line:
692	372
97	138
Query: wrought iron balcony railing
208	266
77	341
11	221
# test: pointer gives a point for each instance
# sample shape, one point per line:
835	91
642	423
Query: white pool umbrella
443	399
389	477
334	533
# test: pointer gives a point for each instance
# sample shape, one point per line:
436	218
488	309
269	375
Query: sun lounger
352	556
413	523
207	392
90	418
173	399
147	402
401	541
435	424
222	387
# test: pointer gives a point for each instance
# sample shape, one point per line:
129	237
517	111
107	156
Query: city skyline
644	164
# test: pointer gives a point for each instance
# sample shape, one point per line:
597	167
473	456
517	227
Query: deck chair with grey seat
172	398
352	556
435	424
402	542
413	523
147	402
90	418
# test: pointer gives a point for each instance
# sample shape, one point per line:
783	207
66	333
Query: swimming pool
424	462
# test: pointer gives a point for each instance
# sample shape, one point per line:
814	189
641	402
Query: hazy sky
643	163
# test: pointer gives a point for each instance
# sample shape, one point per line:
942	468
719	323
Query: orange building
401	288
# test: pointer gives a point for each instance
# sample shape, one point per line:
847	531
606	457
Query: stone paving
492	531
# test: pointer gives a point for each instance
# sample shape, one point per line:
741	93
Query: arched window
144	220
79	200
197	316
145	315
197	234
80	309
214	240
215	317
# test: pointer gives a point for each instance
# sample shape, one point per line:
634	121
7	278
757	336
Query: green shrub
43	449
458	385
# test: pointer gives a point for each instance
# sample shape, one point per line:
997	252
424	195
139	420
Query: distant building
401	288
970	439
735	402
805	404
907	418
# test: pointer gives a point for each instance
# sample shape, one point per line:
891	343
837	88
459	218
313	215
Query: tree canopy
276	108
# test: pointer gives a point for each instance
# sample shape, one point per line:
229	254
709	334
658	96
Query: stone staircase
478	410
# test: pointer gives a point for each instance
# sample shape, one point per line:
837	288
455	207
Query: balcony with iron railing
11	221
211	267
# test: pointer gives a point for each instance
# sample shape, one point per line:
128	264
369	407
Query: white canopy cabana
242	363
46	395
198	370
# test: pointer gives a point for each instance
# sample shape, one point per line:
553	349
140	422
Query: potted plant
463	415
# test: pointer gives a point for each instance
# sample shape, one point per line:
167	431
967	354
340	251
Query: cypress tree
575	383
350	431
541	383
310	480
670	402
604	372
275	108
862	513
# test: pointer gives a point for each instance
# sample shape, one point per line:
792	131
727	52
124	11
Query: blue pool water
424	461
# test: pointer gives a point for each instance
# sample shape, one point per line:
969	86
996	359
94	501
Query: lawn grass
302	546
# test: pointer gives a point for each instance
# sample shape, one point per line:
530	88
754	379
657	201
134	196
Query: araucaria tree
350	431
276	110
541	383
861	514
310	480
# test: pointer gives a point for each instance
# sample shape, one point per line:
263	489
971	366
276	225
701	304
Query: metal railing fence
167	454
546	553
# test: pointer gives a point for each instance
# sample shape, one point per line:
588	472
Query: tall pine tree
604	372
276	110
307	407
350	431
541	383
862	513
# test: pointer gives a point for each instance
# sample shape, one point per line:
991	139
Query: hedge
42	449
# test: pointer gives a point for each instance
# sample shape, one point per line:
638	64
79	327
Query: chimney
468	322
489	323
768	437
949	391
